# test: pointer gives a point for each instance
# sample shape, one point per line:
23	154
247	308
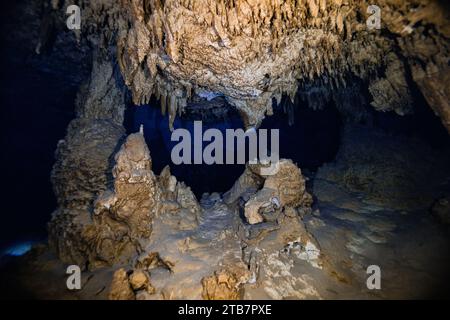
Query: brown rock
83	163
120	287
122	218
139	280
225	284
264	48
284	188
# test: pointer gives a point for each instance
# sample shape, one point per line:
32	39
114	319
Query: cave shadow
310	141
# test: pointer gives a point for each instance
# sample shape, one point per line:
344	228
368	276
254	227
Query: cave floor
408	246
351	233
371	207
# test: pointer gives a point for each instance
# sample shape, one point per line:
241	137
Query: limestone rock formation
123	217
120	287
253	52
106	197
113	210
117	226
83	162
401	173
221	257
392	92
226	284
270	253
285	188
140	282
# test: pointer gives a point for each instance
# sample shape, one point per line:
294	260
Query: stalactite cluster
253	52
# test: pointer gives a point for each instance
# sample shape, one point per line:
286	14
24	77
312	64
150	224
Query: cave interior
364	178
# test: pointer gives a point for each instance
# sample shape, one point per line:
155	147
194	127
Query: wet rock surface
250	53
84	161
307	250
139	235
364	217
123	217
398	172
253	52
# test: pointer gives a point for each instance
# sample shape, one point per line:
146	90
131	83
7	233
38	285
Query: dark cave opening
46	93
33	120
311	141
423	123
368	171
201	178
37	94
309	137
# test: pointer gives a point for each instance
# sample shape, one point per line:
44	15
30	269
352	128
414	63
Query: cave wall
252	53
84	160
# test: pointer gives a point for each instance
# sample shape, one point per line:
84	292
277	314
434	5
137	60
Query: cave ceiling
255	51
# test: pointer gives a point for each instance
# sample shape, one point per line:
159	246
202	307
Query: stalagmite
149	237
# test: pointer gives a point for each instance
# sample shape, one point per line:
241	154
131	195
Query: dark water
33	119
201	178
35	109
37	103
312	140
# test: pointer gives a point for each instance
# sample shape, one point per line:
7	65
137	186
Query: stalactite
230	46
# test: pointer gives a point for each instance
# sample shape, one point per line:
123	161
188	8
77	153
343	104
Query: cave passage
310	141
